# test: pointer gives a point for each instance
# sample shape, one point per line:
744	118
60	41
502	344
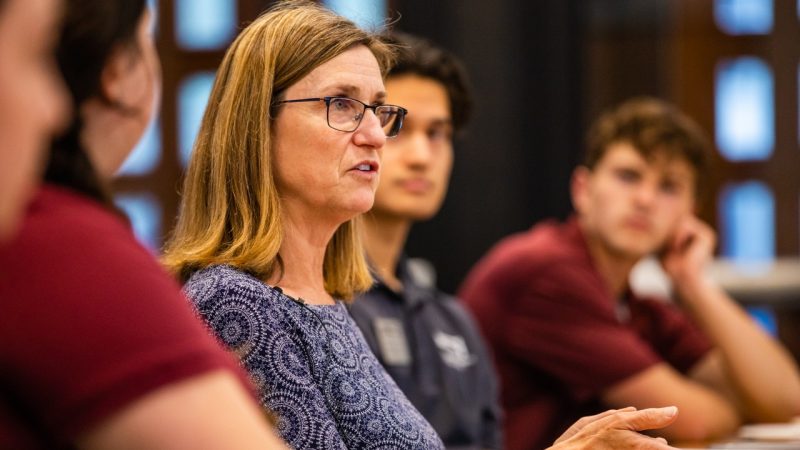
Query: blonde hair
230	212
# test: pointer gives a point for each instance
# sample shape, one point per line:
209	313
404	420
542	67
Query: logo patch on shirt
454	350
392	341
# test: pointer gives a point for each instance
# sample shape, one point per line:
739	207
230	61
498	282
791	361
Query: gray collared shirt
432	348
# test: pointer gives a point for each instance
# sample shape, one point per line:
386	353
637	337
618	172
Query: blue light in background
744	16
147	153
765	317
205	24
744	109
193	95
367	14
144	212
747	223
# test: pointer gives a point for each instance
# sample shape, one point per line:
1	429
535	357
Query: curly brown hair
652	127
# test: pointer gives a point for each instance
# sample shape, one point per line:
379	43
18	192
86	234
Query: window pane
193	95
747	223
147	153
368	14
144	212
743	16
744	108
205	24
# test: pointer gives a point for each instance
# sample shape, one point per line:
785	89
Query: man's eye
627	175
670	187
439	134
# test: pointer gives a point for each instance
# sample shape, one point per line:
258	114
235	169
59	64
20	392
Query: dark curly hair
418	56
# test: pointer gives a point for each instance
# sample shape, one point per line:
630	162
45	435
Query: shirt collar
413	294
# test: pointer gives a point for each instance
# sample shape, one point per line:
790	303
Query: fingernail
670	411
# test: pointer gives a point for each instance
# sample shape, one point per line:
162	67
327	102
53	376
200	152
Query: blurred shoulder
79	242
542	248
62	218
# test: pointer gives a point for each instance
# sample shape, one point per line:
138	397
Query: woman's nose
369	131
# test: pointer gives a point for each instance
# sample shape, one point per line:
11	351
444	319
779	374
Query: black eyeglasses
345	113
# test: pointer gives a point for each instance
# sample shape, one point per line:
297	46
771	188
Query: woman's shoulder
221	273
228	282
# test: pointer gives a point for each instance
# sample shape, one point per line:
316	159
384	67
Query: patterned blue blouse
311	366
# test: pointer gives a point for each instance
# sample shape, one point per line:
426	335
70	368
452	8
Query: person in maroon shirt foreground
98	348
569	337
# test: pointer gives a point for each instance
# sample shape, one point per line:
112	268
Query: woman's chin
359	206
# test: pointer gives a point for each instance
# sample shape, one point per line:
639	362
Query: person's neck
384	239
615	268
303	254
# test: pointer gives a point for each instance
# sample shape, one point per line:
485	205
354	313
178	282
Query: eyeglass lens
345	114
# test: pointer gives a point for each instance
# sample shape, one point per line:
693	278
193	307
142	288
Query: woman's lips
366	169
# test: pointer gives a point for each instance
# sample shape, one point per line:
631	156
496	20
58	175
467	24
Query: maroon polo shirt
89	323
556	337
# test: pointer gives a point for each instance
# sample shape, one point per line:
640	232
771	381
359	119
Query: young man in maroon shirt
570	338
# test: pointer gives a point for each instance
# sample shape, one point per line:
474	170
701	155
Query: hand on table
618	429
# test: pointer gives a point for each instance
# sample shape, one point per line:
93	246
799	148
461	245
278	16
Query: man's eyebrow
442	121
679	177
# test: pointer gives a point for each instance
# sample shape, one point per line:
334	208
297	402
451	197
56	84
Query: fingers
584	421
617	429
646	419
650	419
589	419
694	229
689	249
686	233
630	440
681	234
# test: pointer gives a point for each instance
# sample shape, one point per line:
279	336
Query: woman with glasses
287	158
